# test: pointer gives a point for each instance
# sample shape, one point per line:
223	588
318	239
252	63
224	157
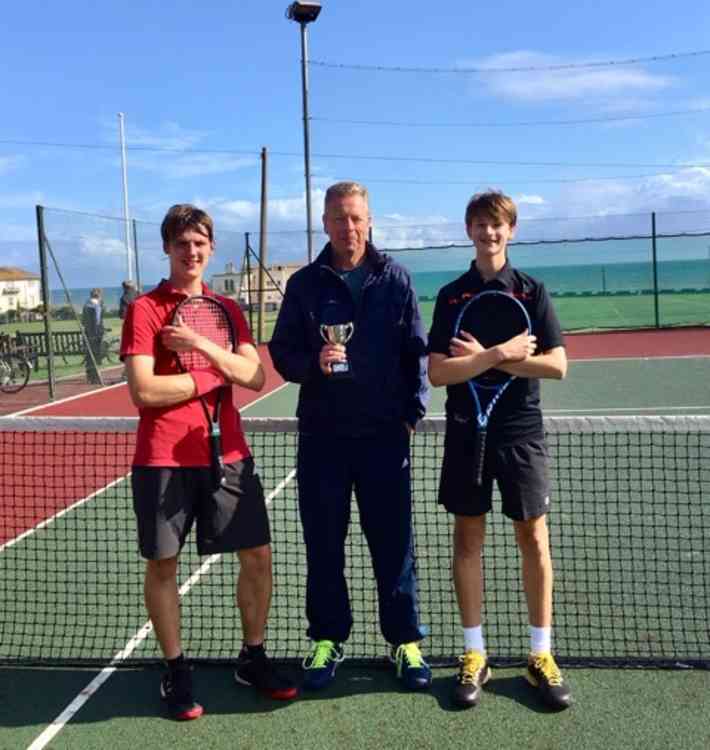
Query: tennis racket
208	317
492	317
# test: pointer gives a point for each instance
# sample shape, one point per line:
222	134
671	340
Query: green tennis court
79	579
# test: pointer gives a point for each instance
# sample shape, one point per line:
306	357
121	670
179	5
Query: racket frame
213	426
483	415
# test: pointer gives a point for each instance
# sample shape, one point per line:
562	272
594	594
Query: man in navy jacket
358	405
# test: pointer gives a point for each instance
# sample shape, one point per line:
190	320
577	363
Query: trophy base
341	371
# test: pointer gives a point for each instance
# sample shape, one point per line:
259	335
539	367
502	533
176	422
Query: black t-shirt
517	417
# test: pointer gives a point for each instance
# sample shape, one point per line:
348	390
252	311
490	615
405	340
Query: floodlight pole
124	183
306	136
305	12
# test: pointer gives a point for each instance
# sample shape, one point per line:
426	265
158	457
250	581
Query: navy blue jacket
387	351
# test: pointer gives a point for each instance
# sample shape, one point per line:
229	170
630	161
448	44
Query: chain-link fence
605	272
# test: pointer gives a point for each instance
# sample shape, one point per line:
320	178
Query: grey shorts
168	500
521	472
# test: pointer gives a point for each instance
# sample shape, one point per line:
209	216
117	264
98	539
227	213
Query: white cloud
168	151
26	200
570	83
97	246
11	163
529	200
182	165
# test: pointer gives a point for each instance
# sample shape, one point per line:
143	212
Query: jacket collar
374	257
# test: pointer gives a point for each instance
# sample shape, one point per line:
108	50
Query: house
19	290
244	287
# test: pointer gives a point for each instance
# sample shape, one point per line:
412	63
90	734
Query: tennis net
630	535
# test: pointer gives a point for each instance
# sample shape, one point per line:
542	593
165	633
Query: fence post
44	276
262	250
655	270
135	255
247	263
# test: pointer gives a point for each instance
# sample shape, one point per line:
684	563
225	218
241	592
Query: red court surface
76	399
663	342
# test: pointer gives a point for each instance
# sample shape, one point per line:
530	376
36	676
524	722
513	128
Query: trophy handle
351	329
324	333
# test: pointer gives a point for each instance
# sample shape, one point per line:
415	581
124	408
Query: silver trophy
339	334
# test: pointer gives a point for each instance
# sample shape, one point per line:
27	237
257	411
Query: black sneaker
255	669
544	674
474	673
176	691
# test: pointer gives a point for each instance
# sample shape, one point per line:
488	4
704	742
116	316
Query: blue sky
205	87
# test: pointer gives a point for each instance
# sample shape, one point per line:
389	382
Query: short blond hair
344	189
493	204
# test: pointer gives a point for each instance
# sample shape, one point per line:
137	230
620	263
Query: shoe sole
285	694
551	703
189	714
323	685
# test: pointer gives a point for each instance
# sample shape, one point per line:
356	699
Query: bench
64	343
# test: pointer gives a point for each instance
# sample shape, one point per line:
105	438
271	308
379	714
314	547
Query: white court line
630	409
63	400
261	398
63	512
133	643
607	360
30	409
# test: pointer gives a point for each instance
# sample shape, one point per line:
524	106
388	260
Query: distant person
171	477
130	292
516	455
355	424
92	320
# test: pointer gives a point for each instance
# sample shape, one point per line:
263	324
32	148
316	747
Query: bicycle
110	349
14	372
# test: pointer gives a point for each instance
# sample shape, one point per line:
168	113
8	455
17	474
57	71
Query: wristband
206	380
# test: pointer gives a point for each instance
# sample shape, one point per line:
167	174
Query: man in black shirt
516	454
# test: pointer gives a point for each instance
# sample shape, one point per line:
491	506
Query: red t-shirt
177	435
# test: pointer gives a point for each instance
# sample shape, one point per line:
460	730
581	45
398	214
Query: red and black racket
208	317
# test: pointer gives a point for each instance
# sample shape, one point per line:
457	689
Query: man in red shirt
171	467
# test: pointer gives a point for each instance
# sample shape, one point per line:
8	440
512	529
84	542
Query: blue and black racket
492	317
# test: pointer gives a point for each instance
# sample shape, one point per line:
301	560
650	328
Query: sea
594	278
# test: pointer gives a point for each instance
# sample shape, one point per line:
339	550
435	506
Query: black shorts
521	472
167	500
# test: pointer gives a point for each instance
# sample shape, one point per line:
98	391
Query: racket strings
208	320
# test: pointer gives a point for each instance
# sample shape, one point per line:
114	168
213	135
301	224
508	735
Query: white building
244	287
19	290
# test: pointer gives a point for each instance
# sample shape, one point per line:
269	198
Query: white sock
473	639
540	640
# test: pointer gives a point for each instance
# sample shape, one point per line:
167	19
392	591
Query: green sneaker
544	674
319	668
412	670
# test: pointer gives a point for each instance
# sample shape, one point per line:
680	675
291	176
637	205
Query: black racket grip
217	460
479	456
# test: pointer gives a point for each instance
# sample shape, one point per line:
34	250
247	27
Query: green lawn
63	366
